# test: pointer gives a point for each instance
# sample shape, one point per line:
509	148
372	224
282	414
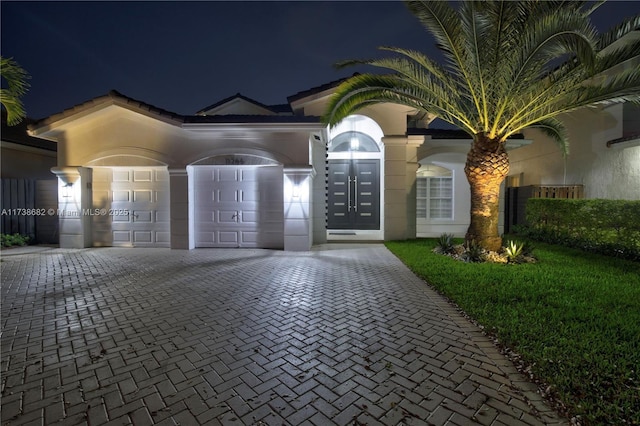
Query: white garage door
239	206
132	207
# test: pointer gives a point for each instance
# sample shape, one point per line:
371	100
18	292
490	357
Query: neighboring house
27	184
243	174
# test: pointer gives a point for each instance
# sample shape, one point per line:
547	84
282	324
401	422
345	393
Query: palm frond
15	109
444	24
16	79
623	28
556	130
365	89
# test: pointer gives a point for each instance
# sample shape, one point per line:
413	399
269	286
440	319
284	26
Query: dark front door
354	194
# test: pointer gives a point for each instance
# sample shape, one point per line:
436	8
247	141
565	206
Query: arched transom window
353	141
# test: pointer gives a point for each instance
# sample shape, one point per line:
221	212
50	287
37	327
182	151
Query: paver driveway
344	334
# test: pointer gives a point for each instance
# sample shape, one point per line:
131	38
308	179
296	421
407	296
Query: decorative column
74	206
400	164
413	143
180	211
298	223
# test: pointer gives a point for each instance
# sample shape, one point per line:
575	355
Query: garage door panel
227	195
227	175
162	216
142	196
227	217
228	237
143	216
121	176
250	196
121	237
249	237
142	175
142	237
121	218
124	196
205	238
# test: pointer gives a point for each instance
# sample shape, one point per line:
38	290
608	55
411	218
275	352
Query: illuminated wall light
67	190
296	188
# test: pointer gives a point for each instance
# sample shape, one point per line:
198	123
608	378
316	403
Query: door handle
355	188
235	216
349	194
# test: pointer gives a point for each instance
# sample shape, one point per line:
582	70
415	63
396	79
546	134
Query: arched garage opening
237	201
130	202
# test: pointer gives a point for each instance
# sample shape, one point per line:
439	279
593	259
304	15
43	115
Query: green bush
10	240
610	227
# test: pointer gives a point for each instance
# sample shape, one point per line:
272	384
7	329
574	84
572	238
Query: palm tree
16	79
509	66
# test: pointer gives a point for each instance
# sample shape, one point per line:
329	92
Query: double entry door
354	194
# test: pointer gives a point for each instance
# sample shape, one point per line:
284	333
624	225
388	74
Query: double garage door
238	206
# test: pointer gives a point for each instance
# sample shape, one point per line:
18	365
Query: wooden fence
516	200
559	191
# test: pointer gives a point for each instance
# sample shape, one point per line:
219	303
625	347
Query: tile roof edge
272	108
114	97
317	89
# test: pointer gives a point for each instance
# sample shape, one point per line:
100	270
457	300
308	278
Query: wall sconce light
66	190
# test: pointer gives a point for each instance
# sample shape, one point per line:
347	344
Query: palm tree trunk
486	167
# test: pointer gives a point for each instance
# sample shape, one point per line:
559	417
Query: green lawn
573	316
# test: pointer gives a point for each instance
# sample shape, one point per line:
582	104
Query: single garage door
239	206
131	207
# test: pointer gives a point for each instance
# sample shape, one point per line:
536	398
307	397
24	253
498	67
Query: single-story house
239	173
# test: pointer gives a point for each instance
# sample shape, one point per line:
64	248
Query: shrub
10	240
610	227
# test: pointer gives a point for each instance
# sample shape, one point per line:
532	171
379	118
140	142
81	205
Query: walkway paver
344	334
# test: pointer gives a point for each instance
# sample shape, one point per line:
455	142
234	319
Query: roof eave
271	127
46	128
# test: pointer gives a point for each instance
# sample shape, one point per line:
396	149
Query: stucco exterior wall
119	132
24	162
605	172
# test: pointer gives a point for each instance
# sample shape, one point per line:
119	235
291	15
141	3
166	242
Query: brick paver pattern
343	334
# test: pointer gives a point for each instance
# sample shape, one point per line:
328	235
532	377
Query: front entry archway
354	180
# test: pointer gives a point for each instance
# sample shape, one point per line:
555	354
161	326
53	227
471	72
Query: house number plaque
234	161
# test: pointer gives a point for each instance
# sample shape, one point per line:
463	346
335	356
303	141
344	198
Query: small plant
514	251
473	252
10	240
445	245
527	249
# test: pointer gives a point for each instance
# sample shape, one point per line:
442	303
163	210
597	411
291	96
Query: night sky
184	56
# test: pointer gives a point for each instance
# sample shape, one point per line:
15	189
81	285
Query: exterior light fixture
66	190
